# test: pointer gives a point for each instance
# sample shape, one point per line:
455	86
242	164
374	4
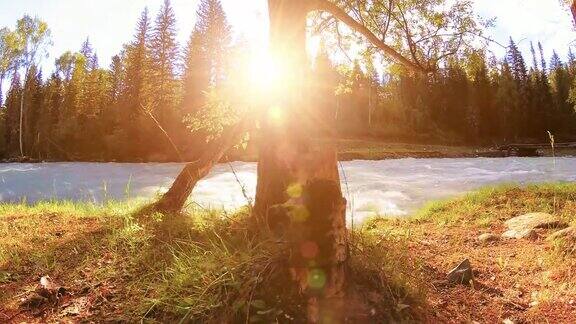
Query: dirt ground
94	259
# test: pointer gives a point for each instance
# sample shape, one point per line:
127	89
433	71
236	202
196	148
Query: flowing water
388	187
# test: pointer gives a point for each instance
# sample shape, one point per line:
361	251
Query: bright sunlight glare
266	73
270	76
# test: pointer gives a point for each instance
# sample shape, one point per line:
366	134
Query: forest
150	103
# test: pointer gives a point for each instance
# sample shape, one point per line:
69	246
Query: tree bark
21	121
573	10
298	192
173	201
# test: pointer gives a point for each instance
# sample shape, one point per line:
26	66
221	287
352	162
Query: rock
533	221
567	233
488	237
520	234
524	226
462	274
33	301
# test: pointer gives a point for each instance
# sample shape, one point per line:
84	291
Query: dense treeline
153	88
471	99
84	111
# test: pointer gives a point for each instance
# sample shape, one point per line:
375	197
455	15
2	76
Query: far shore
349	150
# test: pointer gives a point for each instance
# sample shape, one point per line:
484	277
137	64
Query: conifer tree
86	50
208	54
508	99
12	115
516	63
542	59
534	59
560	85
482	101
196	78
162	97
324	86
216	35
137	67
133	94
571	63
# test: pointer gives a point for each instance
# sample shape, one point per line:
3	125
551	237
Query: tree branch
326	6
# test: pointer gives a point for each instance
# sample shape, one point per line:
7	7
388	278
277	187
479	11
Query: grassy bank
348	150
116	265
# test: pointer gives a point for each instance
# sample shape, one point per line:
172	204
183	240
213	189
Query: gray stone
462	274
520	234
488	237
533	221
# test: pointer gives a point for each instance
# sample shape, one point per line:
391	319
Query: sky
111	23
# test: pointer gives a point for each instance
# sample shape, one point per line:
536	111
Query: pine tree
560	85
482	102
542	59
128	138
353	108
72	114
86	49
216	33
457	101
117	79
571	63
33	108
555	61
523	108
12	115
325	81
164	58
208	54
196	78
534	59
47	128
508	103
137	67
516	63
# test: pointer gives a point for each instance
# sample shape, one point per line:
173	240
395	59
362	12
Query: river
387	187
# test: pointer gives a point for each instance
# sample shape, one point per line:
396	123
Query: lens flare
316	279
276	114
266	73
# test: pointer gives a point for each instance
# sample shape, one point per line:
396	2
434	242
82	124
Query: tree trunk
573	10
21	121
1	93
173	201
298	194
298	191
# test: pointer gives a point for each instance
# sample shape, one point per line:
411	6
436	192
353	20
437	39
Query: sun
271	79
270	73
266	73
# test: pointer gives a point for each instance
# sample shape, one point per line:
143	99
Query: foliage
86	112
427	31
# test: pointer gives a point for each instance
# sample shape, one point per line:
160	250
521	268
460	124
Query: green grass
211	266
203	266
492	204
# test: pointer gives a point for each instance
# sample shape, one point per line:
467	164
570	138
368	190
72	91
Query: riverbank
348	150
113	264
